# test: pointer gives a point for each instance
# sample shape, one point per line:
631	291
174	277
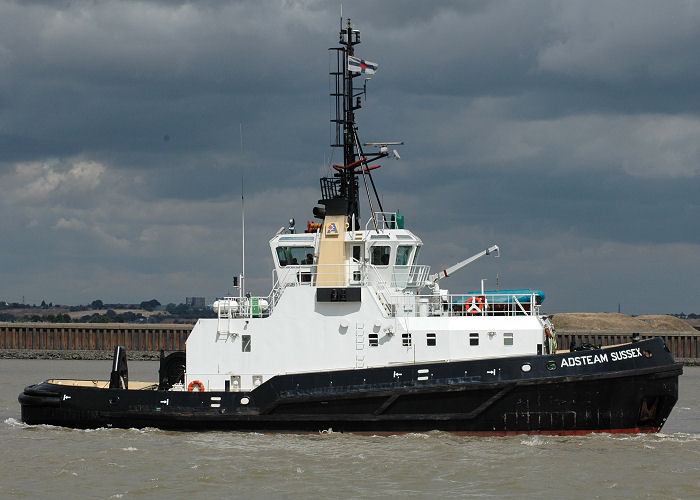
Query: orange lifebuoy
197	384
476	304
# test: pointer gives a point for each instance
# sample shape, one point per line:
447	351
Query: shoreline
79	355
103	355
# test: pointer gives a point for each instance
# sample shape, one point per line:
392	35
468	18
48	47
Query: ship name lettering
626	354
591	359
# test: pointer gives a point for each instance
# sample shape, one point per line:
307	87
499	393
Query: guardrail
490	304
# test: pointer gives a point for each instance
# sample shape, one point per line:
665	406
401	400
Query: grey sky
566	132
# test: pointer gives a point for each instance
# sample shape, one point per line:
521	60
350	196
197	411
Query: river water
54	462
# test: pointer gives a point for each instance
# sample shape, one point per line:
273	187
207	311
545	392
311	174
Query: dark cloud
565	132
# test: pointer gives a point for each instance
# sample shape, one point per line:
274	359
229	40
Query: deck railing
489	304
383	220
397	294
356	274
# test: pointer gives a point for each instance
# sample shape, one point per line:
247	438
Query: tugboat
356	336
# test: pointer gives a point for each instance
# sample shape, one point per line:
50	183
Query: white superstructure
344	299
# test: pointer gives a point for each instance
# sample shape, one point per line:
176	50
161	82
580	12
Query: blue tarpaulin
524	296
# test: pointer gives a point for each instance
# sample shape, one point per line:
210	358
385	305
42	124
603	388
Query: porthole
551	365
526	367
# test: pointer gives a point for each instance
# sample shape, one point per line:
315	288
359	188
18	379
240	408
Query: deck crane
433	279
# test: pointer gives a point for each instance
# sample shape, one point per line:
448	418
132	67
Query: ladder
359	345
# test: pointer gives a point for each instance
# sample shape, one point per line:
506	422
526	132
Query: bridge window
295	256
381	255
403	254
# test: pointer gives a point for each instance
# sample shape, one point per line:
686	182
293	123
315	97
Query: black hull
634	393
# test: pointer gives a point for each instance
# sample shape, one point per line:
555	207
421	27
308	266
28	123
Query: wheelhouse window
403	255
380	255
295	256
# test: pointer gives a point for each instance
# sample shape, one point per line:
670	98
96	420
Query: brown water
53	462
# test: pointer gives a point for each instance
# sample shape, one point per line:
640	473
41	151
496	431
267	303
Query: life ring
197	384
476	304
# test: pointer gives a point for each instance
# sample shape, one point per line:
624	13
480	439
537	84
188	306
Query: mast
340	193
348	39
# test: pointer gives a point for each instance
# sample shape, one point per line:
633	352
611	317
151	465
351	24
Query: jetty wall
92	337
97	341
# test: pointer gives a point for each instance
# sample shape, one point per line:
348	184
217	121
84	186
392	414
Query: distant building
195	302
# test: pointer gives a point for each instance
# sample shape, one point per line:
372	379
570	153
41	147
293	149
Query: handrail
397	297
411	277
384	223
489	304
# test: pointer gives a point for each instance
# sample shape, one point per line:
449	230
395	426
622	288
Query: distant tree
149	305
99	318
43	304
63	318
130	317
97	304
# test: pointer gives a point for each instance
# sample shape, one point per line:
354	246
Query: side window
473	339
245	343
430	339
356	253
403	253
295	256
507	339
373	339
380	255
406	339
282	256
415	256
